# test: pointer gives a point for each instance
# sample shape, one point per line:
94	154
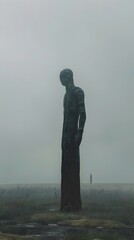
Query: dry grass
12	237
93	223
76	220
55	216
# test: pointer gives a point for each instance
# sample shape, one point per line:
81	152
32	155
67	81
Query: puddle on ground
52	231
36	230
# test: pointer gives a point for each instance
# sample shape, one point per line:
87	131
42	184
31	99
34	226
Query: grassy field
103	205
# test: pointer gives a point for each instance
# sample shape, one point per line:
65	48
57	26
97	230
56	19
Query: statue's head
66	77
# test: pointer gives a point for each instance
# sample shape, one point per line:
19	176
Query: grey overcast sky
38	38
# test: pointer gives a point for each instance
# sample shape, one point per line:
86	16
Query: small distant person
91	178
73	126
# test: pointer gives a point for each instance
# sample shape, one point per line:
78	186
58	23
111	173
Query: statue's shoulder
78	91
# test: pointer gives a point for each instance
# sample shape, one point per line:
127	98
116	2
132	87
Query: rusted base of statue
73	125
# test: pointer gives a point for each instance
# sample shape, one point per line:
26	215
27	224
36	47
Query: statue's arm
82	115
82	111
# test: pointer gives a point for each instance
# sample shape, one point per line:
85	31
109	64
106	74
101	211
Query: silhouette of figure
73	125
91	178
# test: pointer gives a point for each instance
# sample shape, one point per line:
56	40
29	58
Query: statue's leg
75	179
65	180
70	182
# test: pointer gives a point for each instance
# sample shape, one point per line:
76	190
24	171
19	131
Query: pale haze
39	38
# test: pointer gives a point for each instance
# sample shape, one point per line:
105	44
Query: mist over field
40	38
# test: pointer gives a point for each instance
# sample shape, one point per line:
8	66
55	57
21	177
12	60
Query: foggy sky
39	38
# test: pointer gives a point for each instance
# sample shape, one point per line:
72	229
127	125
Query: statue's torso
71	114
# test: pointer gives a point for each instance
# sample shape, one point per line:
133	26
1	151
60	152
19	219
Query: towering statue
73	125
